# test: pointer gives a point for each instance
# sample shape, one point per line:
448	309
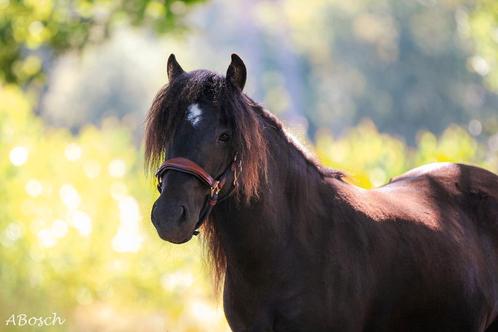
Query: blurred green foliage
371	158
34	31
407	65
483	28
75	235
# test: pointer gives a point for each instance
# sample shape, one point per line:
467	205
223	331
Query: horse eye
224	137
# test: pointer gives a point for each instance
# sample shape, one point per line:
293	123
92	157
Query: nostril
178	214
183	212
166	213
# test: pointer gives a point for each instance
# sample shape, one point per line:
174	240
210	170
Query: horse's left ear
174	69
236	72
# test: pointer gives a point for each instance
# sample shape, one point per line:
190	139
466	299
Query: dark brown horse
300	249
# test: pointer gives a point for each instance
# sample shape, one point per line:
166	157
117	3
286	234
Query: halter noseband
187	166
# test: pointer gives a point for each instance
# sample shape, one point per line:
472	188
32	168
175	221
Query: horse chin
178	236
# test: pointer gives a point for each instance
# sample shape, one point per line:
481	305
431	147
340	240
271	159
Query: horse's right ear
236	72
174	69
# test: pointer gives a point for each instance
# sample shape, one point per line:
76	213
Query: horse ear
174	69
236	72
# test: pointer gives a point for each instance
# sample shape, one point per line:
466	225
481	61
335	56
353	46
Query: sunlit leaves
32	31
371	158
368	157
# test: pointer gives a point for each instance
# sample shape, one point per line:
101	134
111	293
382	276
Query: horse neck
292	208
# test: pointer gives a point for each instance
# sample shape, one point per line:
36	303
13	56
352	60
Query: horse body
299	248
392	259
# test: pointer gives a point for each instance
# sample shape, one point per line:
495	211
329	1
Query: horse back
458	204
466	188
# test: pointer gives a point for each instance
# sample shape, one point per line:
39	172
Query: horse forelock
168	110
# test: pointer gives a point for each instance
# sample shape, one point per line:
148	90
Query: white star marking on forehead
194	114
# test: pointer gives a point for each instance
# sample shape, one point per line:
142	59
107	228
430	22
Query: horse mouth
176	239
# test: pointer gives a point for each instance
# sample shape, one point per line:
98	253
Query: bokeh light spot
73	152
34	188
82	222
18	155
11	234
475	127
91	169
128	237
117	168
69	196
177	281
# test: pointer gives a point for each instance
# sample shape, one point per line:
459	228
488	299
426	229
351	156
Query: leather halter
187	166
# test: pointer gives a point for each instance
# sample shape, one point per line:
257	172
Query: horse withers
296	247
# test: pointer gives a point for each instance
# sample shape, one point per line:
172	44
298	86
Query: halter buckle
215	189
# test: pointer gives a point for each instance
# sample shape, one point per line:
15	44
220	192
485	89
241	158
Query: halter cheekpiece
187	166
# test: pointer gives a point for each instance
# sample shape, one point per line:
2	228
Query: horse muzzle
171	220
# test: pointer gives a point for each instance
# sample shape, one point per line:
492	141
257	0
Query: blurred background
372	87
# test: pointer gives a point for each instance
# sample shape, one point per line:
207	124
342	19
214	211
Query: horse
293	244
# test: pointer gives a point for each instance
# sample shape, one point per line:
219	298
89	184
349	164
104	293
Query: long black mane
255	130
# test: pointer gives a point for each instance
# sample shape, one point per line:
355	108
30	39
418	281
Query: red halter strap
187	166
